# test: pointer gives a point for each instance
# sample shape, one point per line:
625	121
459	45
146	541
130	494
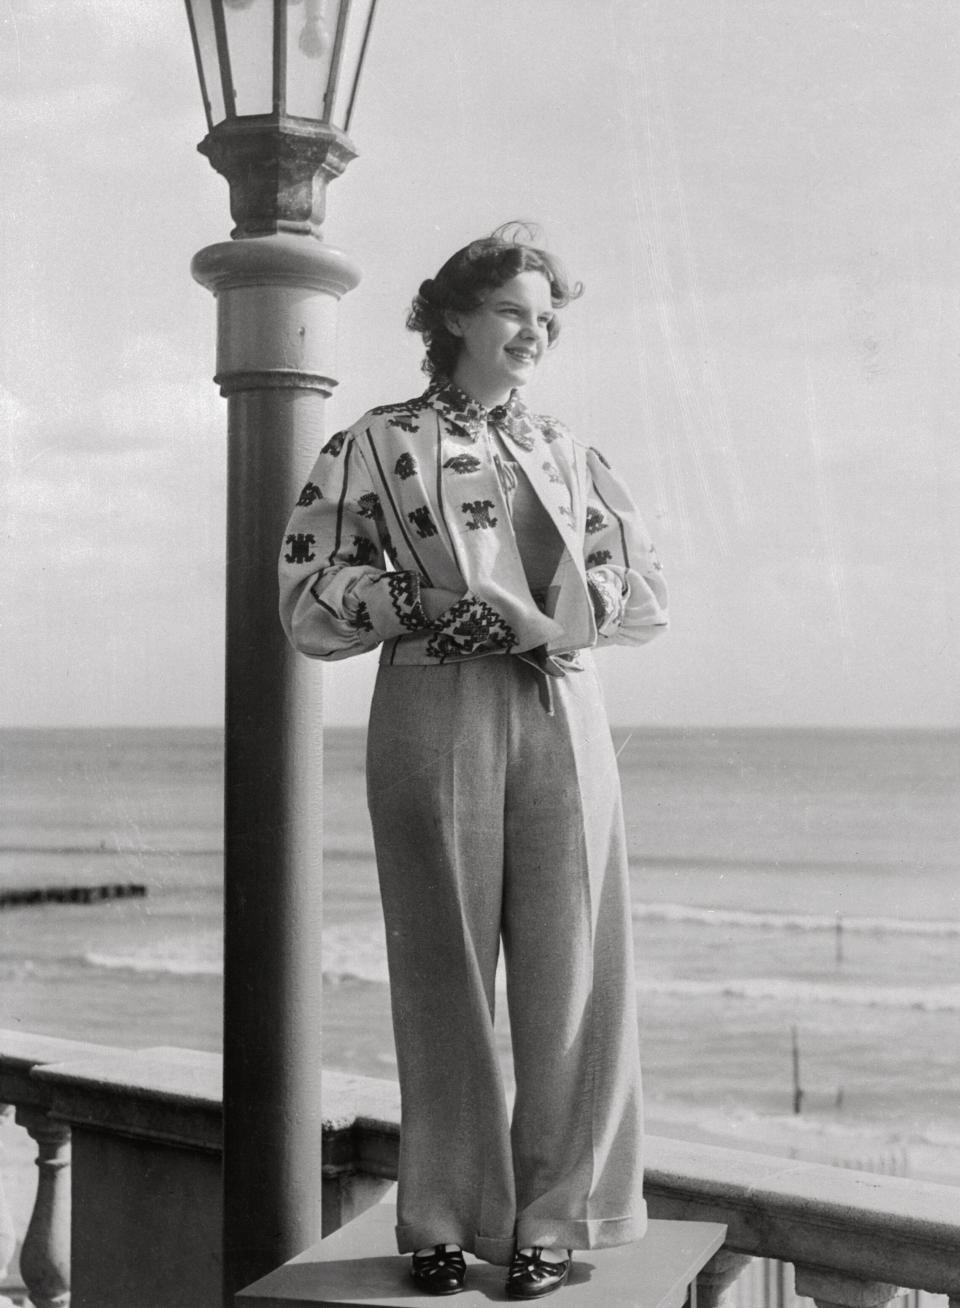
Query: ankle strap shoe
531	1277
441	1272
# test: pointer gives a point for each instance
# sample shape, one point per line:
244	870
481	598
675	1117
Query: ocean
793	891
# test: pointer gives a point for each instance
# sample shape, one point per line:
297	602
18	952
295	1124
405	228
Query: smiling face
504	339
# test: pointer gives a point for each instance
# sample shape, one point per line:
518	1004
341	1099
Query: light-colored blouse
404	535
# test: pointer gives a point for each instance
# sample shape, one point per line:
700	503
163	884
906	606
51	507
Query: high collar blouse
402	536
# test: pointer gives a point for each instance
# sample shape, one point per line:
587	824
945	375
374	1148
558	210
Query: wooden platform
358	1265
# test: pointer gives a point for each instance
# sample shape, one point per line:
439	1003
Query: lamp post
278	80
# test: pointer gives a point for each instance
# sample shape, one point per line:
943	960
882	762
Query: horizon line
939	727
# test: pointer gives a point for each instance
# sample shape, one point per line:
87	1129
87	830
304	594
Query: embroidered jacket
403	535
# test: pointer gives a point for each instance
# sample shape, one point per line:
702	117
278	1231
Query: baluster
716	1278
835	1290
45	1256
8	1236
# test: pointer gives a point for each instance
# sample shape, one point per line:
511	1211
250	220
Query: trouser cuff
563	1233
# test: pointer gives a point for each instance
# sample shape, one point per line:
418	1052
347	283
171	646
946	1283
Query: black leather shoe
440	1272
531	1277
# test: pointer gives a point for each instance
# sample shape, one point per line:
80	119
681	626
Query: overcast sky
760	196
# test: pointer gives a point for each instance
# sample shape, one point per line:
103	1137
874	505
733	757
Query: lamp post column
277	298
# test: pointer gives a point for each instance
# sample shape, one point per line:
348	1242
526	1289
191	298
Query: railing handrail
862	1224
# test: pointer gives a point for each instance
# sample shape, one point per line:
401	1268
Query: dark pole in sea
797	1091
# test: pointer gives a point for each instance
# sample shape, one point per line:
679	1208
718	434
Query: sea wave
774	921
351	953
178	953
354	953
927	999
156	963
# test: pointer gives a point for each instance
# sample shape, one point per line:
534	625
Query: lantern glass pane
249	25
202	13
311	38
351	55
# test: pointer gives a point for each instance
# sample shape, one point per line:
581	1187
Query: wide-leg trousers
494	820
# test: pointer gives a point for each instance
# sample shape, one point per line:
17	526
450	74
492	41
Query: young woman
488	551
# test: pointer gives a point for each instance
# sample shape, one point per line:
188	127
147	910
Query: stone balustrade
144	1127
45	1251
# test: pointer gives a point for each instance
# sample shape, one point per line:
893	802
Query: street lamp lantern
279	81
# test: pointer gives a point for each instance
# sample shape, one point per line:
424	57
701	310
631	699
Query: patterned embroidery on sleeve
335	444
478	514
441	646
552	474
300	551
605	599
595	521
309	495
654	559
361	619
365	553
598	557
470	626
549	430
368	505
405	466
422	519
566	510
404	592
463	463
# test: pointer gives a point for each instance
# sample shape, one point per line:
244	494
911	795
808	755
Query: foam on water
714	917
355	952
188	956
928	999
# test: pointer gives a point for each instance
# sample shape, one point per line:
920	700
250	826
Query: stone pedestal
358	1265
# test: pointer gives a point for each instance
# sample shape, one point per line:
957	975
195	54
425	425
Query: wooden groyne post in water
69	895
797	1088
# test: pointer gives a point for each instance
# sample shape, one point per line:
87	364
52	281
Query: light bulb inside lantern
314	40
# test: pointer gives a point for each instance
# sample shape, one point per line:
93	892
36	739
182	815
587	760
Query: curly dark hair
468	276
